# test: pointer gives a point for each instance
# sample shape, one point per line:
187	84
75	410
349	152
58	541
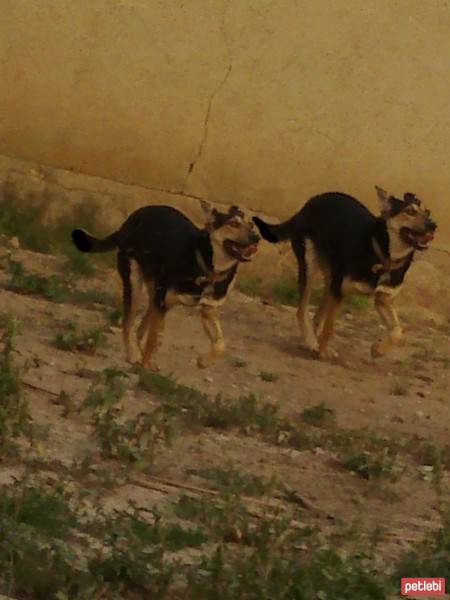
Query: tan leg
307	268
320	313
213	330
388	315
330	311
154	321
132	295
145	322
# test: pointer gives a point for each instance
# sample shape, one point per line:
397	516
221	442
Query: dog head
232	234
408	219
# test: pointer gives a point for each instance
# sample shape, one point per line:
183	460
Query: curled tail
274	233
85	242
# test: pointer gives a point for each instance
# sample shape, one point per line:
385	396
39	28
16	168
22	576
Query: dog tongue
251	249
427	237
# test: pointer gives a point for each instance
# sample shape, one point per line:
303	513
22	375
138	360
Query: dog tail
85	242
274	233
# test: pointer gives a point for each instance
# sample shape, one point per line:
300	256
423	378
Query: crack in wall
212	98
45	179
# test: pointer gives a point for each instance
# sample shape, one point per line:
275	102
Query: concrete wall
261	102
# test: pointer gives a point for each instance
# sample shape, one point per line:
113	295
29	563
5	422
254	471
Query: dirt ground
404	395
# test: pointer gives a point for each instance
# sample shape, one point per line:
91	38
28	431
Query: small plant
236	362
106	391
268	376
134	440
87	341
372	465
66	401
319	415
114	316
400	387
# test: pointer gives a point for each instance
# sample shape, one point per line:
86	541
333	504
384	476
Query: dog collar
386	263
212	276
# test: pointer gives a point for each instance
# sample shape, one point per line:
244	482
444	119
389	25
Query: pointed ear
208	211
206	208
383	199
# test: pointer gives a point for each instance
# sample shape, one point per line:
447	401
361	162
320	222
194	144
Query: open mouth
241	252
417	239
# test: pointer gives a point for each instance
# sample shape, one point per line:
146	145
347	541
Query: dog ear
208	211
383	199
206	208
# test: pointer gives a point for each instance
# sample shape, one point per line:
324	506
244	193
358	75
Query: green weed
89	341
268	376
318	415
400	387
134	440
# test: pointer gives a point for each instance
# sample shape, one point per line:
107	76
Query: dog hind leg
330	308
132	286
145	321
307	266
213	330
153	321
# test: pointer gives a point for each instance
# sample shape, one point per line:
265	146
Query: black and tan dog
356	252
179	263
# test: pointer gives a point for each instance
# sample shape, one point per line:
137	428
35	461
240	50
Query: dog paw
133	358
204	361
377	350
327	354
152	366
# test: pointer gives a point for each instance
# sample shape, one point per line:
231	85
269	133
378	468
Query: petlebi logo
423	586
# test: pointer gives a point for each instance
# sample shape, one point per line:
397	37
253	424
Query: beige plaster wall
261	102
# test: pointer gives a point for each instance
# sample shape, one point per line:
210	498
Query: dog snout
254	238
431	226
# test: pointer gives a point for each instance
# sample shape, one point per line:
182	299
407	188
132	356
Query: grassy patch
284	290
89	341
269	376
431	557
134	440
318	415
52	288
231	480
373	465
27	218
15	420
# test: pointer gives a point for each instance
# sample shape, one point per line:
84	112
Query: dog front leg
329	313
385	308
154	322
213	330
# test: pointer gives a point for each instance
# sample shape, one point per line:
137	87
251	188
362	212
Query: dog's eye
412	212
234	223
